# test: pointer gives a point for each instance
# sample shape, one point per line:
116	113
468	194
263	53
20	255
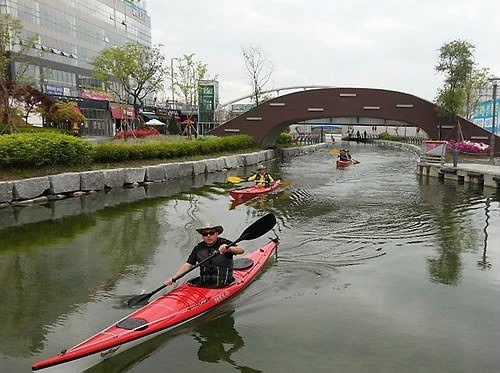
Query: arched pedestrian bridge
266	121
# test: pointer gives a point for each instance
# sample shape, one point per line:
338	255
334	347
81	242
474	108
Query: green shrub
110	152
284	138
386	136
114	151
41	149
32	150
36	129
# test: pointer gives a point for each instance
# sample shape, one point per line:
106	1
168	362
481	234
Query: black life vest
218	271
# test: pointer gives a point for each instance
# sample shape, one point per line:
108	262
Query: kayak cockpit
131	323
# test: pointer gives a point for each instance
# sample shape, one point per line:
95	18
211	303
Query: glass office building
70	33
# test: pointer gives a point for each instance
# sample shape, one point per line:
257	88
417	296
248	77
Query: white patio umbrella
154	122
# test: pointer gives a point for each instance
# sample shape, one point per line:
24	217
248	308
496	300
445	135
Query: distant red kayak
184	303
248	193
344	163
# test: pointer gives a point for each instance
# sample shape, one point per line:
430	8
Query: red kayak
344	163
248	193
184	303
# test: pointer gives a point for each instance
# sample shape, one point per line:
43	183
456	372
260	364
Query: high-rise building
71	33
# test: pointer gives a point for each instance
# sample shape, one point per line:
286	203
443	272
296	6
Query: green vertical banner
207	101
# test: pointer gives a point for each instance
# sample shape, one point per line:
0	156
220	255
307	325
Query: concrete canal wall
399	145
74	184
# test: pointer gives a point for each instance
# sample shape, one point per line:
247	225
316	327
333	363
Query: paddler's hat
261	167
210	227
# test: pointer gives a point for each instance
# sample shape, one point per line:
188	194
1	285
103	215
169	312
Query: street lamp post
493	129
172	80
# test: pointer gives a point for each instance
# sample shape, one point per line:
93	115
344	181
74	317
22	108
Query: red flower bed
136	133
468	147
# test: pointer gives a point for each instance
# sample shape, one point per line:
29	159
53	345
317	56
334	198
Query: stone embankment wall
73	184
400	145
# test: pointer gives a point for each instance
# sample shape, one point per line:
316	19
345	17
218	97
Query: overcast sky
387	44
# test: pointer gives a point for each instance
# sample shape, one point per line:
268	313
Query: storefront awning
149	116
122	113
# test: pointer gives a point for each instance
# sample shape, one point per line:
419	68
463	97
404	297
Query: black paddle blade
138	300
142	299
258	228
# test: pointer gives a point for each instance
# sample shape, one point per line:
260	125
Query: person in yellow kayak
261	177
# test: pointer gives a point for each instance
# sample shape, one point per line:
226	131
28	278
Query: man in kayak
217	271
261	177
344	155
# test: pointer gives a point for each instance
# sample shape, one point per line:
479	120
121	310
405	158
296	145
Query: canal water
378	271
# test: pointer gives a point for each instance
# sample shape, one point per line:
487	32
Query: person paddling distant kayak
344	155
217	271
261	177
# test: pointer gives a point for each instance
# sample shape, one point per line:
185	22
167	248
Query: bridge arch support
266	121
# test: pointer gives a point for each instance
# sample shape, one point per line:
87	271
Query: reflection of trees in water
448	206
484	263
219	340
453	240
46	279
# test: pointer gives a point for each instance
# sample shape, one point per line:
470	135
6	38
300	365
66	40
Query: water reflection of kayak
184	303
247	193
241	200
218	340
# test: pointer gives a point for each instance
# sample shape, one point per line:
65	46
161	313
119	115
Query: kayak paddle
255	230
335	152
235	179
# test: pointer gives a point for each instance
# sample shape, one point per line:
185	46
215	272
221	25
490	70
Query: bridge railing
415	140
305	138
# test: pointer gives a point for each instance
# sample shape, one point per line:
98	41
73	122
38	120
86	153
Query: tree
63	114
131	72
30	98
187	77
259	71
456	62
476	86
13	50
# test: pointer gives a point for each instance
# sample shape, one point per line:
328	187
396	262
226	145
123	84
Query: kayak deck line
191	301
129	331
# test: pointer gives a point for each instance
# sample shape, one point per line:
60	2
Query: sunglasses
208	233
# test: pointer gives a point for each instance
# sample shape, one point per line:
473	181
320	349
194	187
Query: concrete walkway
478	173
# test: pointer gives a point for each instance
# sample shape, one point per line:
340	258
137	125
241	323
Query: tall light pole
493	129
172	80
